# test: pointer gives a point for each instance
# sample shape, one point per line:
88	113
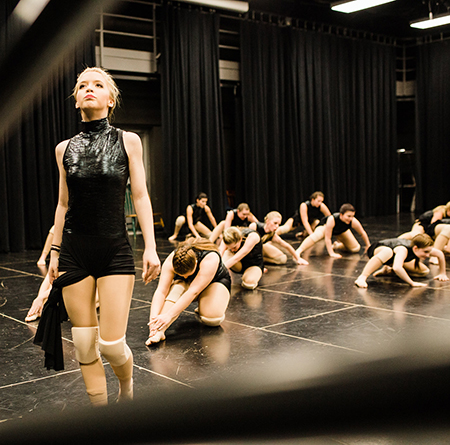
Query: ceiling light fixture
237	6
357	5
431	22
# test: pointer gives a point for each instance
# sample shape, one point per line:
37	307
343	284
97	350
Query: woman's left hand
151	266
159	323
441	277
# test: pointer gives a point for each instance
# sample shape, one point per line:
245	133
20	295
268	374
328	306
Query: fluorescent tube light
221	4
431	22
357	5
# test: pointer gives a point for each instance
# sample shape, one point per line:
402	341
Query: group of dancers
91	272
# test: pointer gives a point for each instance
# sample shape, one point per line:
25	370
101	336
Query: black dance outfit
238	222
197	213
265	236
392	243
431	229
339	226
222	274
314	214
255	256
95	240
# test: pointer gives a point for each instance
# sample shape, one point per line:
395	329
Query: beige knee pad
86	342
250	286
355	249
116	352
210	321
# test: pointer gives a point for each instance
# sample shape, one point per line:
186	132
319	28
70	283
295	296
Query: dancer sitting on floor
238	217
339	225
309	215
192	216
426	219
243	254
404	258
268	233
193	272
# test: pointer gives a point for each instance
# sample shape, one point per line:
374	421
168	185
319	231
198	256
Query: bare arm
359	228
304	218
400	254
60	213
142	204
251	241
165	281
325	210
228	219
280	241
329	226
190	221
210	216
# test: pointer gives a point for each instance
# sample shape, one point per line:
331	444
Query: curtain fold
318	114
191	110
432	124
28	170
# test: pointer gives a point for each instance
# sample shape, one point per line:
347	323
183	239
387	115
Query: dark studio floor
314	310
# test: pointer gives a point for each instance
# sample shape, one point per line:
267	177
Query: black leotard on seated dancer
392	243
425	219
432	227
255	256
314	214
222	274
238	222
265	236
197	213
339	225
95	241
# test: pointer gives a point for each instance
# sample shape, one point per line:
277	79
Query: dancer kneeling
194	271
339	225
402	257
243	254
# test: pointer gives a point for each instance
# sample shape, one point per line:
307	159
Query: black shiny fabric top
339	225
392	243
96	165
314	213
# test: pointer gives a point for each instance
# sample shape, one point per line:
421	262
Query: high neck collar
94	126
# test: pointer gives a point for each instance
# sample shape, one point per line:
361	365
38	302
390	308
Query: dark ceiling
390	19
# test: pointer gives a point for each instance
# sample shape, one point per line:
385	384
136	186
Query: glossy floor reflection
315	311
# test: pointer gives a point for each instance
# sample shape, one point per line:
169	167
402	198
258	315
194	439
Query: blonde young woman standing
90	250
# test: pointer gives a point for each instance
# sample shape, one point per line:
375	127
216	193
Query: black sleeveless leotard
255	256
392	243
238	222
339	225
222	274
265	236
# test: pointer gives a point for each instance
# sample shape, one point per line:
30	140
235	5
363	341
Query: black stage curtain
319	113
432	124
28	171
191	110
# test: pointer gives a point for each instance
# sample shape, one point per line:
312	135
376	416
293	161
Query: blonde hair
114	93
269	217
185	256
231	235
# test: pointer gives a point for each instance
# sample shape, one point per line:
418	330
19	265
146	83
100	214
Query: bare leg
179	222
203	230
349	242
212	304
273	255
286	227
79	300
114	292
177	289
312	239
382	255
217	231
442	232
251	277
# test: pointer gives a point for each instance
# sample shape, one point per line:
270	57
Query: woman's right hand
53	267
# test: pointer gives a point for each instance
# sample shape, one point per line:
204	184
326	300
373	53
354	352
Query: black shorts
97	256
246	263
